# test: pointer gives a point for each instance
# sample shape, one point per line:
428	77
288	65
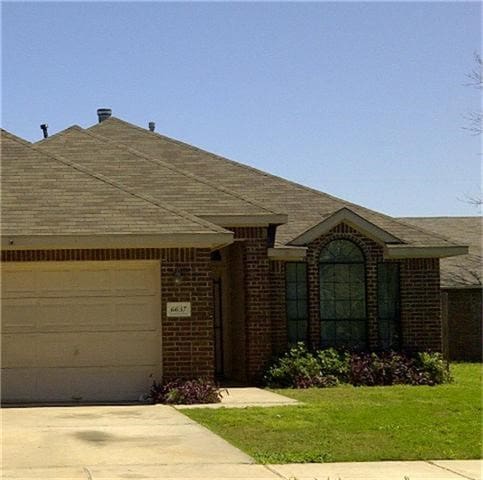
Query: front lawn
348	424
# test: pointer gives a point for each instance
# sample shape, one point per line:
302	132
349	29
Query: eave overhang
213	241
406	251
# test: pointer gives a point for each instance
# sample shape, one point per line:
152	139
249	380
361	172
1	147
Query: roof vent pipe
103	114
151	126
44	128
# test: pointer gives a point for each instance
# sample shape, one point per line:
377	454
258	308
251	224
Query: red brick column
421	305
258	331
278	307
188	347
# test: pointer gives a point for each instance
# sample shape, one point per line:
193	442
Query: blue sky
365	101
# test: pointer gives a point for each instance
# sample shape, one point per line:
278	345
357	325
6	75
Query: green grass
347	424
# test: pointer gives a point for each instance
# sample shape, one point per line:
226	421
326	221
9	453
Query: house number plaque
178	309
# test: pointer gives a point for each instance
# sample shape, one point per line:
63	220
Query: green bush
300	368
334	363
434	367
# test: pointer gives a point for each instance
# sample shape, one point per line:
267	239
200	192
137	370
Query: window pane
296	301
327	333
342	295
343	251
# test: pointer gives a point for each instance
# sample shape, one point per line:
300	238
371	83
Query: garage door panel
89	330
75	315
77	384
137	314
18	315
18	284
113	349
18	351
135	281
80	314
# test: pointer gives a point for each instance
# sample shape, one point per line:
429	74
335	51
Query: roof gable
347	216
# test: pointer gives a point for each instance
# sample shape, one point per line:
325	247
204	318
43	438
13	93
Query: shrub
334	363
397	368
185	392
298	368
433	367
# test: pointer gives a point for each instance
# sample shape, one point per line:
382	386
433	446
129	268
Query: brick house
127	254
461	286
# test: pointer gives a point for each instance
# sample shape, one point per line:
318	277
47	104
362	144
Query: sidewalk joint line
275	472
449	470
88	473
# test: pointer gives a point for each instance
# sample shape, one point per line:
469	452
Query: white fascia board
49	242
288	254
405	251
344	215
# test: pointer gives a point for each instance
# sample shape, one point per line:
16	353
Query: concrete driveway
151	441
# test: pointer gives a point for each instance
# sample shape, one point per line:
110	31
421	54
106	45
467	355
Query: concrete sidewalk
241	397
431	470
437	470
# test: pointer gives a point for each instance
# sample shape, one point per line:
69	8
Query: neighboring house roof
464	270
45	198
160	180
305	207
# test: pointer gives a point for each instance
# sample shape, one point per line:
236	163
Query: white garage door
80	331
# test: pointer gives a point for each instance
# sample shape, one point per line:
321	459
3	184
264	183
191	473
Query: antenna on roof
151	126
44	128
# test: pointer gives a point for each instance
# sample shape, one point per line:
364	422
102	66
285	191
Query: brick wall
421	319
187	348
258	330
278	307
464	323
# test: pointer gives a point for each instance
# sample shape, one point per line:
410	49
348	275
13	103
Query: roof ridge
58	134
15	137
173	168
120	186
266	174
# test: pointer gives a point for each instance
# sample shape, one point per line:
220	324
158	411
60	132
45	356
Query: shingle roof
45	195
305	207
463	270
160	180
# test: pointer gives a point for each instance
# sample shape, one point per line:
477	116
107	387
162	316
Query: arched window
342	273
